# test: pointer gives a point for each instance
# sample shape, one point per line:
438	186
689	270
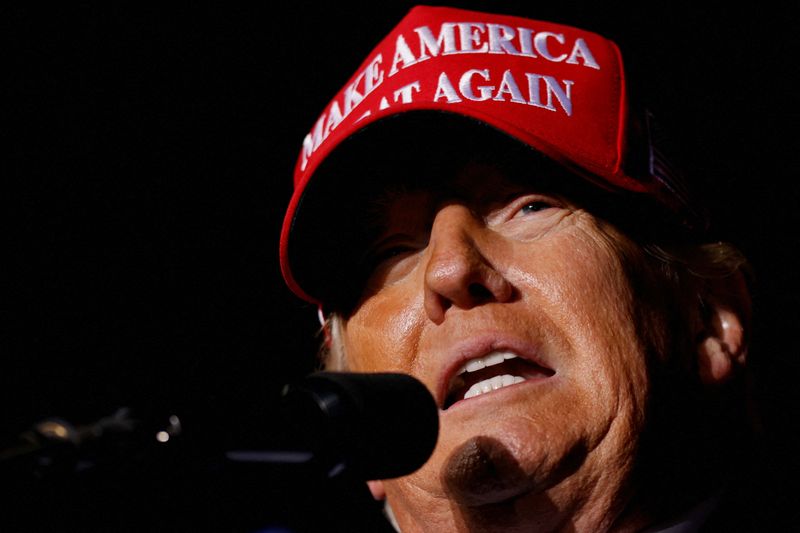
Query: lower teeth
488	385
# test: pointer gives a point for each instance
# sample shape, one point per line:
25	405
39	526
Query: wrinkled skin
500	264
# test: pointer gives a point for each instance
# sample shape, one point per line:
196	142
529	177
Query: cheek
381	335
587	288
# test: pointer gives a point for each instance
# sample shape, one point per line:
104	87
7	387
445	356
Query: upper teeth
494	358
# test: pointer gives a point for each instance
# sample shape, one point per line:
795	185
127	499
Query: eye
387	253
531	204
380	256
522	205
535	206
389	263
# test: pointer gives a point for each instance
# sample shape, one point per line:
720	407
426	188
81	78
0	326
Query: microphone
374	425
310	449
368	425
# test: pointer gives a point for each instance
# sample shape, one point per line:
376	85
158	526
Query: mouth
493	371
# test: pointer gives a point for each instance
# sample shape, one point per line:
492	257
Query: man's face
491	269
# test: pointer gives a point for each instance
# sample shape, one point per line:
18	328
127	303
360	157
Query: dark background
151	155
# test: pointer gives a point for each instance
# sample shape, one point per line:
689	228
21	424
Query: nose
458	273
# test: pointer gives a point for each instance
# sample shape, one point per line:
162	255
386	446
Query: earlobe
722	346
377	489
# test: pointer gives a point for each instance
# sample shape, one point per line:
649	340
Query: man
482	206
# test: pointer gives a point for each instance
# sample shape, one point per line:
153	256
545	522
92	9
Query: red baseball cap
557	89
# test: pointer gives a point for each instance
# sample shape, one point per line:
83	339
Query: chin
488	461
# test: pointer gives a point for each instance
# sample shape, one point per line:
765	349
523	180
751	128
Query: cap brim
325	232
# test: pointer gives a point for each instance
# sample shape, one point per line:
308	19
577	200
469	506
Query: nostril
479	292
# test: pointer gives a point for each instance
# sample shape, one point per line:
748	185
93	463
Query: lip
479	346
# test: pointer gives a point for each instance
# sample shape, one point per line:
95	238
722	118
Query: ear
377	490
723	339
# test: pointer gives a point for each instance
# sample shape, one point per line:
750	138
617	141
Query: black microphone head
378	425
